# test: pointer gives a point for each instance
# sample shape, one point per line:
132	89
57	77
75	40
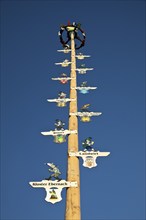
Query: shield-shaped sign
59	139
85	118
84	91
63	81
89	157
89	161
53	195
61	104
53	188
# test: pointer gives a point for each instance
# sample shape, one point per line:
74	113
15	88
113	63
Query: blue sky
115	31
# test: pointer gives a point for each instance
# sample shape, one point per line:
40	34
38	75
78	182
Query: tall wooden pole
73	172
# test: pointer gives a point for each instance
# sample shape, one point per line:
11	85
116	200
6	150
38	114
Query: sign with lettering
53	188
89	157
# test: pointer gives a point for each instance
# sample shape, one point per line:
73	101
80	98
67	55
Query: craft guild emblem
84	89
54	195
59	133
85	115
89	161
53	187
89	155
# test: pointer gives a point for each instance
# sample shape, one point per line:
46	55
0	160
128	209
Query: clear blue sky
115	189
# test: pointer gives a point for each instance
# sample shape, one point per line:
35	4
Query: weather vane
72	38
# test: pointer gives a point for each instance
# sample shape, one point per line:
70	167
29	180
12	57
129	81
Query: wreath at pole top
75	28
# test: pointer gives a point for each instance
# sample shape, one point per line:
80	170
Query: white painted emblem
53	188
89	157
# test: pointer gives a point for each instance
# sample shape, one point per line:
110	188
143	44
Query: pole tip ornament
72	28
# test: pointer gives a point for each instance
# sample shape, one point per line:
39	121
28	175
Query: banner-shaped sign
89	157
53	188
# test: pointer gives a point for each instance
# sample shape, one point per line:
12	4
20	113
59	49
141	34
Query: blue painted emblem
84	91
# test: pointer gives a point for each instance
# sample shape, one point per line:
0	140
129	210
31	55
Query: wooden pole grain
73	172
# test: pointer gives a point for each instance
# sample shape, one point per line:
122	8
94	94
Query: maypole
75	40
73	172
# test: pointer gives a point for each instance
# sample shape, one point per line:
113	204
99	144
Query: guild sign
61	103
59	138
86	116
64	81
53	188
89	161
59	135
84	91
89	157
85	119
54	195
